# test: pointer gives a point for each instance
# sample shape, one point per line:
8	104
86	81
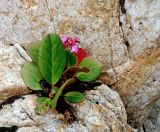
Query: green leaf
52	59
41	109
41	100
33	51
43	104
95	69
71	59
31	76
74	97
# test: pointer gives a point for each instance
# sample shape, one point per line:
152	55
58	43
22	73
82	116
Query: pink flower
71	43
74	49
64	39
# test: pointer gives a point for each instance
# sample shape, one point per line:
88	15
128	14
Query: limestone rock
123	34
138	81
95	22
11	83
152	123
141	26
102	110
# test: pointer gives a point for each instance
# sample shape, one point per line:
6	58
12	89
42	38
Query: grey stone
137	81
106	115
152	123
125	38
11	83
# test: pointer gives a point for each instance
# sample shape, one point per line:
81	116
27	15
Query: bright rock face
139	83
102	110
123	34
11	83
141	26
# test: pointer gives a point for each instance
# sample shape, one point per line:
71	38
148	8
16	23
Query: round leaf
33	51
41	100
74	97
31	76
94	67
43	104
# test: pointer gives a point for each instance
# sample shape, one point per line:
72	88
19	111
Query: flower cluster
69	42
72	44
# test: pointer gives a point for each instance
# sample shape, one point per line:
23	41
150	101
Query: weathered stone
141	27
138	81
11	83
152	123
123	34
95	22
102	110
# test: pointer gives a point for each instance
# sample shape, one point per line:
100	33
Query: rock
95	22
152	123
11	83
102	110
22	21
138	80
123	34
139	88
141	27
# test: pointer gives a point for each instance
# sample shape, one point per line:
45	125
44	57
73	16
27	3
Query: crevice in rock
21	55
122	6
11	100
22	52
14	98
11	44
9	129
126	43
120	23
144	129
115	73
30	117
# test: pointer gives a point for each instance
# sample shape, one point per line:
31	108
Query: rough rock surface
140	88
139	83
95	22
11	83
152	123
141	26
102	110
123	34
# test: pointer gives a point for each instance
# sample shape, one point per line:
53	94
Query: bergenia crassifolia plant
59	73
